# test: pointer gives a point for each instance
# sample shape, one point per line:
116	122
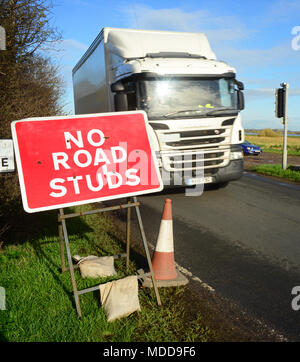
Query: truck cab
192	100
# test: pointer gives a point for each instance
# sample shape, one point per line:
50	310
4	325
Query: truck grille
201	133
206	149
195	160
206	141
194	138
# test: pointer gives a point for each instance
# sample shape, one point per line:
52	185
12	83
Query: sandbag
94	267
119	298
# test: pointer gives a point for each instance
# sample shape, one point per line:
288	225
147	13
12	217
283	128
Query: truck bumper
232	172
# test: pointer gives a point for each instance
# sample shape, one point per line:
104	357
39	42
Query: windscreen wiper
203	111
183	111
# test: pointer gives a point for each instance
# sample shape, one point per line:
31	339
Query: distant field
274	144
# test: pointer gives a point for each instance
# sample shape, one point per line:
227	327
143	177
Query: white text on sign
83	158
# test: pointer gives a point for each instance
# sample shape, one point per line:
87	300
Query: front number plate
199	180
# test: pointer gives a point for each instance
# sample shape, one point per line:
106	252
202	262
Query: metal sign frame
31	163
64	239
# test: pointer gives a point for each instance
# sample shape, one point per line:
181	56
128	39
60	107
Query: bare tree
29	82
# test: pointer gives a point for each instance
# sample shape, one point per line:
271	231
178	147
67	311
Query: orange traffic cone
163	262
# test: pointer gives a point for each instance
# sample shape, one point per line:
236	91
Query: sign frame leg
128	227
63	234
62	248
71	267
138	213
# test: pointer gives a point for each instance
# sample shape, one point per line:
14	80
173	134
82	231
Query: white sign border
82	202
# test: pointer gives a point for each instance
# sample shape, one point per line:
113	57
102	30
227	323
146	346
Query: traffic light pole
285	122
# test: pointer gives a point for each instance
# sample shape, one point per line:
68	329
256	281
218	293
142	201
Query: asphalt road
243	241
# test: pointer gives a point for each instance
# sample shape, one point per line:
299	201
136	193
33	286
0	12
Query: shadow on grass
38	227
27	227
53	268
35	227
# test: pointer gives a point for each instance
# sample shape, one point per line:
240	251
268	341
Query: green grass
276	170
39	299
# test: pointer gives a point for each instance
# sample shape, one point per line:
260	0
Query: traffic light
279	102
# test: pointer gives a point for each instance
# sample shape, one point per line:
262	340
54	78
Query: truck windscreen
184	98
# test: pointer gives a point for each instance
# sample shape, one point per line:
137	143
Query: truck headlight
236	155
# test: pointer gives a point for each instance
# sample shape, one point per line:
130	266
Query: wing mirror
241	100
239	84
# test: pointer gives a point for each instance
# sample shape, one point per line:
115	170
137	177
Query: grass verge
277	171
39	299
275	144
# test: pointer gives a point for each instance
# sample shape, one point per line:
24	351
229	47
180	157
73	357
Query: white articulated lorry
192	101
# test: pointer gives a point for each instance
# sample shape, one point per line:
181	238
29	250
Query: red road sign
66	161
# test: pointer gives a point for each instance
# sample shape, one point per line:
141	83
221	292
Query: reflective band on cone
163	262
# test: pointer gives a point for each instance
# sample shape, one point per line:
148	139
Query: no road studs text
158	351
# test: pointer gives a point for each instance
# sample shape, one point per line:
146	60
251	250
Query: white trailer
192	100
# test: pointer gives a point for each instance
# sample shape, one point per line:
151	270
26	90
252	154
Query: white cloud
68	50
66	54
281	11
281	55
227	34
217	28
71	43
268	92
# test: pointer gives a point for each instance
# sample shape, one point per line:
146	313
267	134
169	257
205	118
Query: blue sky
261	39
